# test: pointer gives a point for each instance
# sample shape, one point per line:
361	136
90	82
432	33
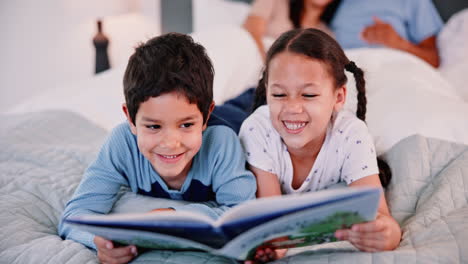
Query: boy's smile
169	134
170	158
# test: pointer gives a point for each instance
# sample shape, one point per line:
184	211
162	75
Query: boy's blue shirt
218	173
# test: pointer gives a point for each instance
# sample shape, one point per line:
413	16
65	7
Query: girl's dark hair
296	9
169	63
318	45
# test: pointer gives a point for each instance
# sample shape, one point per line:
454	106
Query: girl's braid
361	89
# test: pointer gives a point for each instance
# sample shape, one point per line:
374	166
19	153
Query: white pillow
406	96
452	44
235	58
98	98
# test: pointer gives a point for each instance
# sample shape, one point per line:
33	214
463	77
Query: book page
147	218
307	227
253	213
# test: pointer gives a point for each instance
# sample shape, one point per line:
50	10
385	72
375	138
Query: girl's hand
265	255
107	252
384	233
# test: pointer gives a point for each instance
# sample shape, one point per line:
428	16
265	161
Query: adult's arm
426	50
257	21
384	34
256	26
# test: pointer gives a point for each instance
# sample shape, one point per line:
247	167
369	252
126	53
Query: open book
276	222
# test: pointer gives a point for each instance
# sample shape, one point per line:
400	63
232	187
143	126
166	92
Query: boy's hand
110	254
384	233
265	255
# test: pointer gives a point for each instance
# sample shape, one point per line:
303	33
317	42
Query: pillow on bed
98	98
406	96
452	43
236	60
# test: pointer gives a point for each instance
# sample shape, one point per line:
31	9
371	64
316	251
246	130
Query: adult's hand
382	33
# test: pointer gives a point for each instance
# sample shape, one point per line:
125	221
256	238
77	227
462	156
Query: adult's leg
234	111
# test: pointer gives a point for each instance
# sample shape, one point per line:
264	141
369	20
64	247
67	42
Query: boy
165	149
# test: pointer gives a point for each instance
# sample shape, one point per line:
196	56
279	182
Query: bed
44	155
416	114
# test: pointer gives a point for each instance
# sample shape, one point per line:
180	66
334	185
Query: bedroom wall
45	44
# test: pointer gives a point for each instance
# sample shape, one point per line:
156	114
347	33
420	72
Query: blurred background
45	44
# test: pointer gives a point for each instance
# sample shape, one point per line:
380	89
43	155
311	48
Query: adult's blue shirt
414	20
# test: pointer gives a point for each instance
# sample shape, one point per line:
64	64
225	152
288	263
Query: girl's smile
294	127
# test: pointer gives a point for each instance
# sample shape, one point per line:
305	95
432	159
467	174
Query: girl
303	141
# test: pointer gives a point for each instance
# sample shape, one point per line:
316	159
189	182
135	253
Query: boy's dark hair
318	45
296	10
169	63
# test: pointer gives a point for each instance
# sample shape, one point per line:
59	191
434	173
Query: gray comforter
43	156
